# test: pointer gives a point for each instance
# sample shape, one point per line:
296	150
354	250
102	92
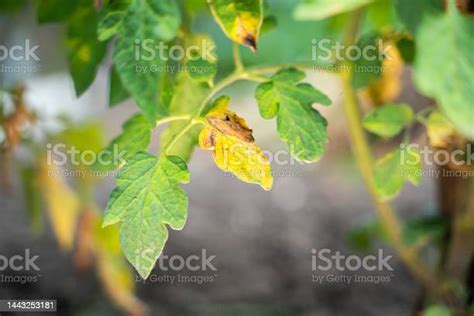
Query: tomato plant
432	38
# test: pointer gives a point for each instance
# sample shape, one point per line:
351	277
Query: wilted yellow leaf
113	271
389	86
440	129
62	204
234	147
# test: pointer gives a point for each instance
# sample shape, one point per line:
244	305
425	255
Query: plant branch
365	163
241	73
239	66
172	119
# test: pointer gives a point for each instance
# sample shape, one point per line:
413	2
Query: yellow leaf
389	86
440	130
62	204
114	273
239	19
234	147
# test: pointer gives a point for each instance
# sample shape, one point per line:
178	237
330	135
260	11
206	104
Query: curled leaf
229	136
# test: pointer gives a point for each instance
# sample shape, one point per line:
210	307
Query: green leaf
321	9
145	20
85	52
117	92
188	93
55	10
440	129
11	5
388	120
362	237
187	97
444	66
298	123
367	71
111	19
135	137
270	22
202	64
147	200
381	16
412	13
407	49
394	169
437	310
201	69
239	19
424	228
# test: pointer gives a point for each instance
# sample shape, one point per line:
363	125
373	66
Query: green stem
172	119
365	163
241	73
239	66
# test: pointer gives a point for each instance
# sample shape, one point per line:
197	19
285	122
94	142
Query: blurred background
261	241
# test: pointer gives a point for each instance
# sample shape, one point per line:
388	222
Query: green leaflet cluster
298	123
400	165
